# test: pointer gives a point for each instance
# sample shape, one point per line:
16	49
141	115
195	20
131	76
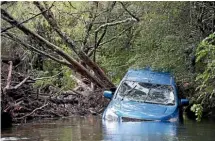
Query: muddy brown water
93	129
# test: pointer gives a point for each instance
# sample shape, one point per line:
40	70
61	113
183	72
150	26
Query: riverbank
22	102
32	107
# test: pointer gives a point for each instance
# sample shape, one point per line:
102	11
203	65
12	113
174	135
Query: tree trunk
74	64
92	65
96	69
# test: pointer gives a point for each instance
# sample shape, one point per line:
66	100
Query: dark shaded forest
58	57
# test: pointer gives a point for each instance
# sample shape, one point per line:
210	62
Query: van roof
149	76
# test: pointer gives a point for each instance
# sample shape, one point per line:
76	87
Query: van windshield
146	93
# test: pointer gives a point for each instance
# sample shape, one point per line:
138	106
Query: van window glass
146	93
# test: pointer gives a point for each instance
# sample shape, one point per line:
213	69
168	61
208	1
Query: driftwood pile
23	102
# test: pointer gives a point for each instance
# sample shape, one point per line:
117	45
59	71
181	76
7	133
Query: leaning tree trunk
92	65
76	66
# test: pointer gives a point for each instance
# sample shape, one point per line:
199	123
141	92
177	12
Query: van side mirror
184	102
108	94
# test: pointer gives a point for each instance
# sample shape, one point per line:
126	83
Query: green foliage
206	72
197	109
56	75
206	58
158	41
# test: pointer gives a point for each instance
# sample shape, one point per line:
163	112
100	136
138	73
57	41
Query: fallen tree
90	69
22	100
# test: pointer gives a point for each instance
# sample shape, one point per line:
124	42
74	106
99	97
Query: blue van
144	95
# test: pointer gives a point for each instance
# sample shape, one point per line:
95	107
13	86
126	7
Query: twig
111	39
4	30
9	76
41	78
30	47
33	111
71	5
4	2
21	83
49	16
89	26
115	23
132	15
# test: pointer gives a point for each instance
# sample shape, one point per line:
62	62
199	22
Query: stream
93	128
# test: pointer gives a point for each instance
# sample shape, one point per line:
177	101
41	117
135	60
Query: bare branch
113	38
109	40
29	47
9	76
39	108
101	37
49	16
25	21
88	28
51	46
74	64
99	77
105	30
115	23
132	15
71	5
4	2
21	83
92	65
49	77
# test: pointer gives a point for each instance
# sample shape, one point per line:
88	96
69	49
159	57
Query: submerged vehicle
144	95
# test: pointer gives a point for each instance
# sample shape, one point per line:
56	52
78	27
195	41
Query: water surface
93	129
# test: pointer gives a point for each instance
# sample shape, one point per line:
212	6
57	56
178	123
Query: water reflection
139	131
94	129
72	129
